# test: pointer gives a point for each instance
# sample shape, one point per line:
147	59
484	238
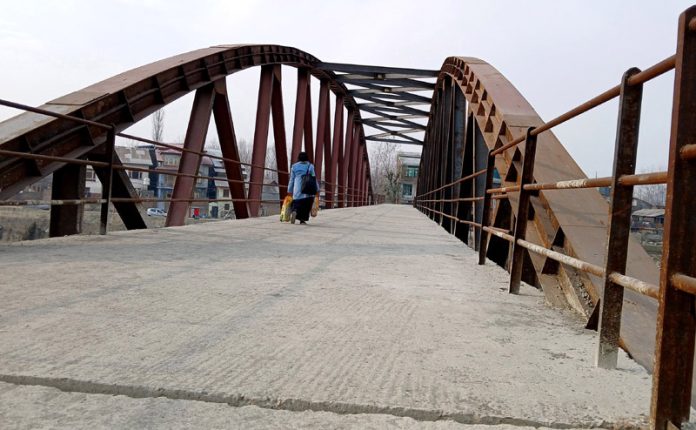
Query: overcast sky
557	53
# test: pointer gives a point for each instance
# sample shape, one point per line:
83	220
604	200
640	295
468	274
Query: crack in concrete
71	385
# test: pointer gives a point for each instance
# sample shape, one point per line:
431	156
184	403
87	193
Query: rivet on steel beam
692	24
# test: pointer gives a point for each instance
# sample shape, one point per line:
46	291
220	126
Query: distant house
93	187
408	164
639	204
39	190
219	189
137	157
271	199
162	182
651	219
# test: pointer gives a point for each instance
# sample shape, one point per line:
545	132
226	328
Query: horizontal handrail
453	218
45	112
652	72
461	199
458	181
684	283
634	284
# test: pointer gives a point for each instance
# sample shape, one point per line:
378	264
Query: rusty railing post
485	214
522	212
625	151
106	185
676	322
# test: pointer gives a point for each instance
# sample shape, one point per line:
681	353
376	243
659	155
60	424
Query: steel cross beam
228	145
389	91
190	161
301	101
322	129
281	152
344	162
336	155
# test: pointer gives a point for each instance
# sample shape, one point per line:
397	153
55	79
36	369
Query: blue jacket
298	170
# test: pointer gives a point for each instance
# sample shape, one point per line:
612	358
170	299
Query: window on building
406	189
90	174
135	175
225	193
411	172
171	160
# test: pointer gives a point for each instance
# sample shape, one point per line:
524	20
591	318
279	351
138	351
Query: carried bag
315	207
309	183
286	210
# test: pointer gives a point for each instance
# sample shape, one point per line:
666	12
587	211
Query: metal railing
676	321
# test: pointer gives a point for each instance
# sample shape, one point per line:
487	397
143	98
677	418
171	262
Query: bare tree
655	194
245	150
271	163
158	125
213	144
391	185
384	170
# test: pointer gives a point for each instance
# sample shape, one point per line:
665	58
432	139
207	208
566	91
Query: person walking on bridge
303	186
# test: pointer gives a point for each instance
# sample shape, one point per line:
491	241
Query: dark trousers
302	207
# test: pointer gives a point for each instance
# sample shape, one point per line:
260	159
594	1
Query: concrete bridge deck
367	318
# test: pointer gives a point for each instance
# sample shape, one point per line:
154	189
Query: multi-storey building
407	165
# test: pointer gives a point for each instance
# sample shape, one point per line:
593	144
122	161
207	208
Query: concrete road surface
365	318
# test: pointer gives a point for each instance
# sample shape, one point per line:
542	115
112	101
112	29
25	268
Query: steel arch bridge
481	176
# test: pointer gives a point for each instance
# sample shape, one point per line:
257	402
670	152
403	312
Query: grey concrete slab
23	407
368	310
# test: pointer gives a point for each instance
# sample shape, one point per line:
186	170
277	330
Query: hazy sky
557	53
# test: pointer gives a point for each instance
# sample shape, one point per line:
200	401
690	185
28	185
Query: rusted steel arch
131	96
495	114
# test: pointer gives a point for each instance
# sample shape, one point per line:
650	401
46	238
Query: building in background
270	197
219	188
137	157
650	219
93	187
39	190
162	181
407	164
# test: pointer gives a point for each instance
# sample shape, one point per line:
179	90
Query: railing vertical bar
625	151
676	319
522	213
